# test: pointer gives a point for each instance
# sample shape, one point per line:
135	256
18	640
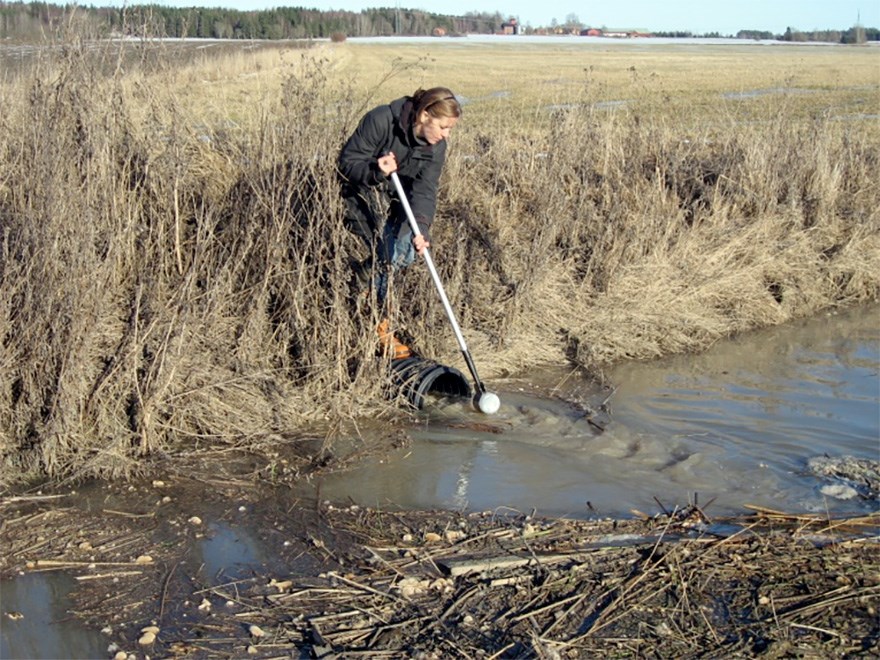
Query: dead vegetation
359	582
171	277
675	585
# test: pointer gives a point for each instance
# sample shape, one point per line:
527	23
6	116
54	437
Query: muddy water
735	425
37	624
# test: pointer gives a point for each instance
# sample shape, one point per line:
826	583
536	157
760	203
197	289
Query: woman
407	136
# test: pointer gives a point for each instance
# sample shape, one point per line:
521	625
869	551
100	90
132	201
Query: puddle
757	93
863	116
227	549
605	105
229	553
36	623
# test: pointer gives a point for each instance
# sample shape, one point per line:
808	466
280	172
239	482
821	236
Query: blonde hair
437	102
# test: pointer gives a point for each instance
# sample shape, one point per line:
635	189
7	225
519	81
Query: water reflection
229	553
36	623
737	424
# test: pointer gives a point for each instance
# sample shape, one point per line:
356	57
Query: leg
396	252
361	220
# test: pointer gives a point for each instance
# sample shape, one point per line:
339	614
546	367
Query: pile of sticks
513	586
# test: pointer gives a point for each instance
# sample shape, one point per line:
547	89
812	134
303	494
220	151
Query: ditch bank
293	547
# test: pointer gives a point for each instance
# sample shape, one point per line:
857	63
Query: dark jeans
389	240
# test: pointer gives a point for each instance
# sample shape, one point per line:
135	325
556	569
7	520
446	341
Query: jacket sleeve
357	160
424	190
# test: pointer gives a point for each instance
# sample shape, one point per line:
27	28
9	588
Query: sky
696	16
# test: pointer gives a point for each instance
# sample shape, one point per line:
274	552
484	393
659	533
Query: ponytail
437	102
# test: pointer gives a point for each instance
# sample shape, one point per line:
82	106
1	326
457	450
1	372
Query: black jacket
390	128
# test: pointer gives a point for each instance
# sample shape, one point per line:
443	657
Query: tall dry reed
173	282
620	235
164	281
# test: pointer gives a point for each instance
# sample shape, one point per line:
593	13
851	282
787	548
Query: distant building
510	27
627	33
439	32
615	33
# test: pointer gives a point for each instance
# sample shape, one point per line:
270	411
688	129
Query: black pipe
417	376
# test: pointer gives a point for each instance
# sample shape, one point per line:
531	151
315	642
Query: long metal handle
437	283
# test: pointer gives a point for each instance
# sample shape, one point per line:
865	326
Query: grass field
676	78
175	271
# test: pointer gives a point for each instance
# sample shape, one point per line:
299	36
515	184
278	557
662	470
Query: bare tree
573	23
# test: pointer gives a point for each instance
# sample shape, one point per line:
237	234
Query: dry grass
174	269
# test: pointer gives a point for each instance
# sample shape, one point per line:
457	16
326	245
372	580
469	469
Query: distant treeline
854	35
20	20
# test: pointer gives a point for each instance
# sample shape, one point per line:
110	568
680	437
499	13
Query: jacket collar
406	121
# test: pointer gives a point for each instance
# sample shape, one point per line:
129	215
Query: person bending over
407	136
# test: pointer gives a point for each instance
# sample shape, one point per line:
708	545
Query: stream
735	425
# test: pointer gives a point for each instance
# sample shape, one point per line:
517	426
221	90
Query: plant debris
359	582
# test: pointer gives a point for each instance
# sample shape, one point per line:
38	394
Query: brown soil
354	582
